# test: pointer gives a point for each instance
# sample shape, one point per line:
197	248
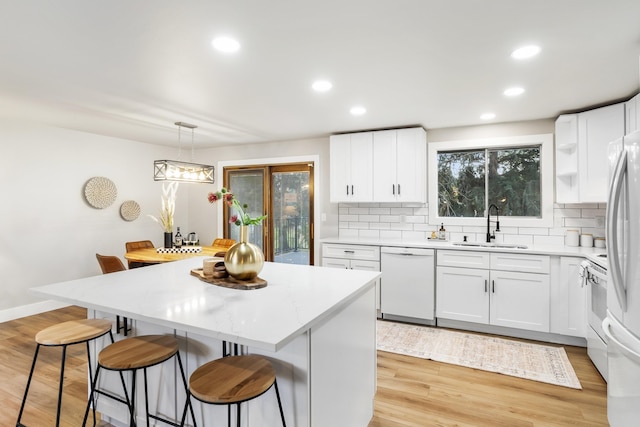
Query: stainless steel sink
492	245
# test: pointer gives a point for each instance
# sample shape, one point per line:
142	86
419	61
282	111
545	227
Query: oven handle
628	352
613	204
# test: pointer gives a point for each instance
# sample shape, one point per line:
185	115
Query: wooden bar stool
63	335
133	354
233	380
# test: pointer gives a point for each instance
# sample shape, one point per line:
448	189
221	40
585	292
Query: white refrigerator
622	325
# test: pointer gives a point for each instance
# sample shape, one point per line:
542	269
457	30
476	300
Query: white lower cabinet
568	298
514	294
353	257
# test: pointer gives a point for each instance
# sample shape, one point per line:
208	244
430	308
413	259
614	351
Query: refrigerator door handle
613	205
608	327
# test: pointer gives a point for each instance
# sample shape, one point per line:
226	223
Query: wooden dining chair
132	246
112	264
223	243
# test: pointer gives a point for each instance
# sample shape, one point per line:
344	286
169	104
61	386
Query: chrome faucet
497	221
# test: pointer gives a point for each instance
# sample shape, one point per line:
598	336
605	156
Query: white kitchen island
317	325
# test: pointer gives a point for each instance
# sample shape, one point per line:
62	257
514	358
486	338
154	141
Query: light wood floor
411	392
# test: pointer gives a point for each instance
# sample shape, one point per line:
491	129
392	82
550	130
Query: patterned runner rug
536	362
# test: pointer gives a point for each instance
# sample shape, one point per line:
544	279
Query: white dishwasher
407	287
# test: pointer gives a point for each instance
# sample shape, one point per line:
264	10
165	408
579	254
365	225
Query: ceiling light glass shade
225	44
173	170
321	86
514	91
358	110
525	52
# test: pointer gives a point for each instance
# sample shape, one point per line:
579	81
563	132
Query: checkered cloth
182	250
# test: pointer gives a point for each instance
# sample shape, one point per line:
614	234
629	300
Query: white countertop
440	244
295	299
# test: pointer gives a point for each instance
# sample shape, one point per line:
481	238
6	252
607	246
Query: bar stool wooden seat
63	335
233	380
133	354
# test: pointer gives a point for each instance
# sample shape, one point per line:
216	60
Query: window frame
546	178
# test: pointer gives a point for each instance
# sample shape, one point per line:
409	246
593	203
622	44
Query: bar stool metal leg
26	391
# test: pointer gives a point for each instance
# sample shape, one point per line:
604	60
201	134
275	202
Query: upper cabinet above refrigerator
632	115
581	153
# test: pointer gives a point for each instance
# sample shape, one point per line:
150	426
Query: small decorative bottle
178	239
442	233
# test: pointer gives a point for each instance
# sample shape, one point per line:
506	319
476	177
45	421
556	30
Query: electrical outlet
599	221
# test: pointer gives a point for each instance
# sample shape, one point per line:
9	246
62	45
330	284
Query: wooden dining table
152	256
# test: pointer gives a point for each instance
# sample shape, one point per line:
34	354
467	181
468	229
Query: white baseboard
30	309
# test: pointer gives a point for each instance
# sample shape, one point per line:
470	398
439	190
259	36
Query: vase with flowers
166	213
243	260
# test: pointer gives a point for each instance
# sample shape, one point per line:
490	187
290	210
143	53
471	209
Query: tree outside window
469	181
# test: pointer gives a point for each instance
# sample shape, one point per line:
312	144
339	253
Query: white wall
49	232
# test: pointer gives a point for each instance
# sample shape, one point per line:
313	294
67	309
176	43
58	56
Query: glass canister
572	238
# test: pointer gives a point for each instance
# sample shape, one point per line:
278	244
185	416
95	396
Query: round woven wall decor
129	210
100	192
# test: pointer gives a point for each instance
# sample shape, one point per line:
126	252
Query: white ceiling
131	68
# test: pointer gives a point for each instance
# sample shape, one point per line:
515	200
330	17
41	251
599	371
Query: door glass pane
291	217
248	188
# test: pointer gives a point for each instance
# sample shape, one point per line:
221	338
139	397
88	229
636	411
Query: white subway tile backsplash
411	222
389	218
369	234
348	233
539	231
380	211
413	235
390	235
358	211
401	211
548	240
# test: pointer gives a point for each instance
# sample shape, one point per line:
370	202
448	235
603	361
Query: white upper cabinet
351	157
400	165
632	115
581	153
380	166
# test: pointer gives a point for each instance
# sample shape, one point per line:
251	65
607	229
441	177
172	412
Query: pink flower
213	197
233	219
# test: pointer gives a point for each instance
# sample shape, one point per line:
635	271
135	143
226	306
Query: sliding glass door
285	194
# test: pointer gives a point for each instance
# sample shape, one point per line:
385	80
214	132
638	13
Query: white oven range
594	275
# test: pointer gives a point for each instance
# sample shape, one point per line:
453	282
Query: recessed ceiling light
488	116
513	91
321	86
358	110
525	52
225	44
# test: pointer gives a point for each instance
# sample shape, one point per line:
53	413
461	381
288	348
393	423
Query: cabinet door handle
493	286
398	189
352	189
485	285
347	189
349	252
393	189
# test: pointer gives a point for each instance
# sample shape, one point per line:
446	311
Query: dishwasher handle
396	250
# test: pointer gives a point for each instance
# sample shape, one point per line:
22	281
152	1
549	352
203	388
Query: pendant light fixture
176	170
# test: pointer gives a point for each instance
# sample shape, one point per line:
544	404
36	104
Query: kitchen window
514	173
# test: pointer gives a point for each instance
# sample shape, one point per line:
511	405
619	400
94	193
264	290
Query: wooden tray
230	282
